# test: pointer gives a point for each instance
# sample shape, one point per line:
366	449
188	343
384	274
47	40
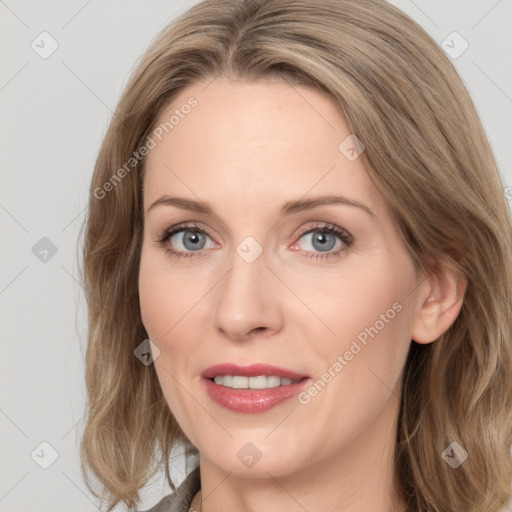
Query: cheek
160	303
163	308
343	306
161	294
363	360
150	296
172	304
366	319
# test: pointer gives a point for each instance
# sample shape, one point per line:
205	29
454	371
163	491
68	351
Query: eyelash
345	237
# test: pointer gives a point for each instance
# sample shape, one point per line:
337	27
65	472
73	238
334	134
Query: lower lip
252	401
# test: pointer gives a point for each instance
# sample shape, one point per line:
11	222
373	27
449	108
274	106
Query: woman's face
260	280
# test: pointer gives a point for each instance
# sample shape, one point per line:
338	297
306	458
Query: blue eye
193	240
323	239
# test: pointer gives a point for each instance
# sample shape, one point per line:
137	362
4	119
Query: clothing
181	500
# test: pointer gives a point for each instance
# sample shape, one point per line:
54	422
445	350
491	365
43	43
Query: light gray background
54	113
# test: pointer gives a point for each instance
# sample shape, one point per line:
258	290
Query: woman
298	258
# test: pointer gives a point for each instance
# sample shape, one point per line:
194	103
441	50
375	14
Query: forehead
252	144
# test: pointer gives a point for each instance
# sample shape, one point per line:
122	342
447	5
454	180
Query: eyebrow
288	208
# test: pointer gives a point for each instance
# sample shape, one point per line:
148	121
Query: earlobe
439	304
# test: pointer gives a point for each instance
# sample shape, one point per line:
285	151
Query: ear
438	303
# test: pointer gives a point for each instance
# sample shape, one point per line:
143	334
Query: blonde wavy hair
428	155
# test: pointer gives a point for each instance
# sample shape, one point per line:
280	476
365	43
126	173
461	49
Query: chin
254	461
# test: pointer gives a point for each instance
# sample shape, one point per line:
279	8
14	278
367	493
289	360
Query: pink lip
251	401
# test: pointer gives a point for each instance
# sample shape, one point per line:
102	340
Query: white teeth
273	381
240	382
259	382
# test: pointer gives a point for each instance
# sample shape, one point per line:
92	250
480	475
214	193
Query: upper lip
252	370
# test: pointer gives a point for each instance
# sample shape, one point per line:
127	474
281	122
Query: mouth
252	389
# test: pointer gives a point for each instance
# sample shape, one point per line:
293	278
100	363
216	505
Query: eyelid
182	226
324	225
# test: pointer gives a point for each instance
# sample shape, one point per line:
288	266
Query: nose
249	300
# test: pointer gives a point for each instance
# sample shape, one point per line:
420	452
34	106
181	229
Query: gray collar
181	500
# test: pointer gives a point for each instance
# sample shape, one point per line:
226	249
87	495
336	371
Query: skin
246	148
